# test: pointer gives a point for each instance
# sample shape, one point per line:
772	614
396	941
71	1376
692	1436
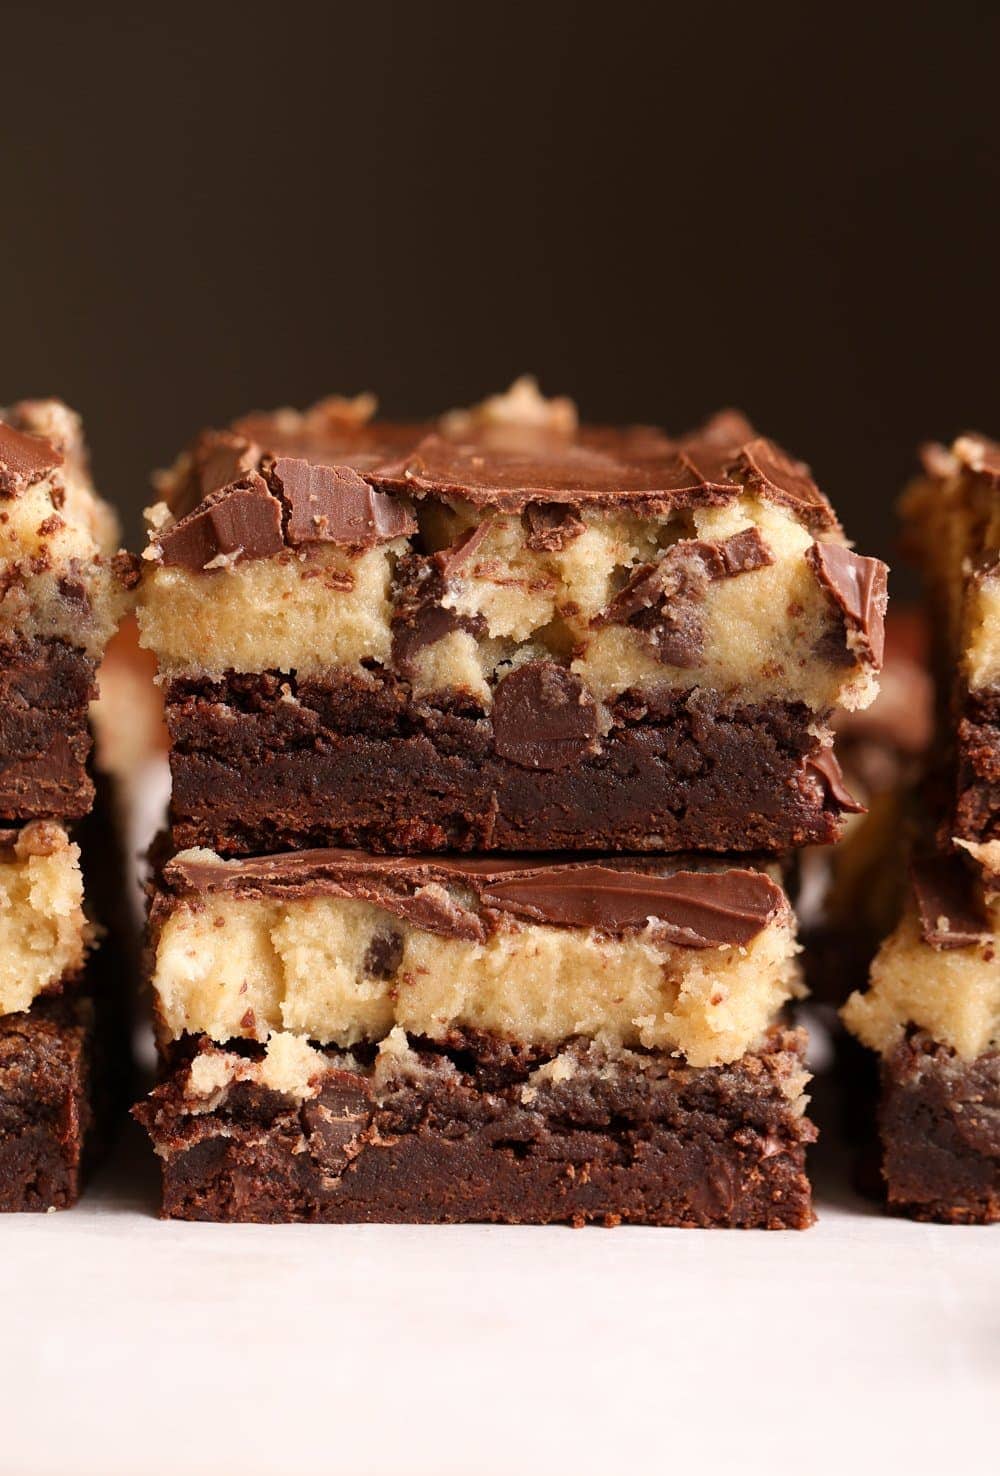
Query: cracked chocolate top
333	475
696	904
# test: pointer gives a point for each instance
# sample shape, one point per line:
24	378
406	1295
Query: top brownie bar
62	590
537	635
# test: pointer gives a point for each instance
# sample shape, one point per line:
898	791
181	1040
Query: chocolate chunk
824	764
743	552
951	914
419	616
384	955
551	526
768	471
858	587
694	909
241	522
334	504
663	600
24	460
543	717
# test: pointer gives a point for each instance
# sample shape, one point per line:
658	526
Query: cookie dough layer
939	971
61	578
52	1117
43	931
271	763
480	1131
939	1122
342	948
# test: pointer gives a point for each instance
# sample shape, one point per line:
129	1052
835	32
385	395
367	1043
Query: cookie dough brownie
62	589
952	519
932	1012
503	631
47	1021
347	1037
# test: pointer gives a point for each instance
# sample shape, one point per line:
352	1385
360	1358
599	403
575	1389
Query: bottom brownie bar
51	1121
482	1131
932	1012
939	1122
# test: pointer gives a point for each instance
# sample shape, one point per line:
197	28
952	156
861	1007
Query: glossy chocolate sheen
319	471
697	907
859	588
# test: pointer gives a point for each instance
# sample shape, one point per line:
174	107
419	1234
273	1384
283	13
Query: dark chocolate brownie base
978	800
268	764
52	1118
45	690
465	1135
939	1122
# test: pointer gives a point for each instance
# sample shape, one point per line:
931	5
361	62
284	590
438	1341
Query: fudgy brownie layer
479	1133
49	1115
978	799
262	763
45	691
939	1122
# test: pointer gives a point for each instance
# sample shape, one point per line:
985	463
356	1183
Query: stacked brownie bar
62	588
386	647
932	1008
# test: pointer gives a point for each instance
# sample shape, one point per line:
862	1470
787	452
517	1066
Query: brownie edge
939	1121
476	1132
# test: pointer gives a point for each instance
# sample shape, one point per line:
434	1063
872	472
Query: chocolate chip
543	717
824	764
551	526
383	955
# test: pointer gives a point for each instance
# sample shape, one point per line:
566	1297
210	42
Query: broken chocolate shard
951	914
824	764
241	522
551	526
543	717
858	587
24	459
769	472
693	909
334	504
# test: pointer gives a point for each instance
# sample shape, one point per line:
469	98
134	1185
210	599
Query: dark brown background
657	210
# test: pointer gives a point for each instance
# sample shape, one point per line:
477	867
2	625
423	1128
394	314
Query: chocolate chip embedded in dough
543	717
